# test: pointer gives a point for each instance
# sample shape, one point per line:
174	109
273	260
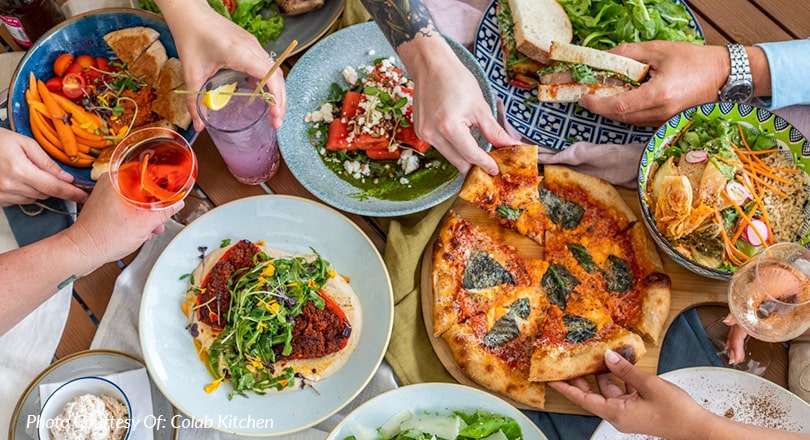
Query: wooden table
743	21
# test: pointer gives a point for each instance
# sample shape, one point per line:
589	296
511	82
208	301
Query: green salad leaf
248	15
603	24
471	426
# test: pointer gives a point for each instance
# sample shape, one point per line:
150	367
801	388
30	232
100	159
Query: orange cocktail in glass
153	168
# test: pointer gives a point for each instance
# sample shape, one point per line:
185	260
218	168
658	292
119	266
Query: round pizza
265	321
513	322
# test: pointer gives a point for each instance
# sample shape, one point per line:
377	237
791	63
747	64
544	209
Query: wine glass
153	168
769	295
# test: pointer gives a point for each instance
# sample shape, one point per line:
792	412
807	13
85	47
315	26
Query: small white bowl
97	386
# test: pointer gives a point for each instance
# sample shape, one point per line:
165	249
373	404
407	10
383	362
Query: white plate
287	223
308	84
87	363
753	400
548	124
442	398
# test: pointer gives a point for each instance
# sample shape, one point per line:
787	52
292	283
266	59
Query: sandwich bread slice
580	70
527	28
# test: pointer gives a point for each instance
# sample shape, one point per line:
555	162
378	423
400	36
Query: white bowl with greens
712	198
443	410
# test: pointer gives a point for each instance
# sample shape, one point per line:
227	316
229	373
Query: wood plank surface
792	15
79	331
740	21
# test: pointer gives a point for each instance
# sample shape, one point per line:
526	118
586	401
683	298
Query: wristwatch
740	85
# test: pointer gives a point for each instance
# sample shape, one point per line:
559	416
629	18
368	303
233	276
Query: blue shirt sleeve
789	63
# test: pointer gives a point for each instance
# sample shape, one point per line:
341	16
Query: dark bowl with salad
720	182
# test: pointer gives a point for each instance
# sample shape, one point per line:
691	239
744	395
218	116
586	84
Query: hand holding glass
769	295
242	130
153	168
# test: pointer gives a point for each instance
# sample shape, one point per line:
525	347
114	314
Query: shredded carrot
758	200
760	152
744	216
731	250
742	137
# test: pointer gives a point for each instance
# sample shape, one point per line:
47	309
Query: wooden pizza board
688	290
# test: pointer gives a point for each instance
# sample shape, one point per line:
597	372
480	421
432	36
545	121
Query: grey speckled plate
307	85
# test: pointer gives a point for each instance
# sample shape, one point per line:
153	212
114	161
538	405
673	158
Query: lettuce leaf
603	24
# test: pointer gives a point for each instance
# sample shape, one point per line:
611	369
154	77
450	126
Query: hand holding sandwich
207	41
682	75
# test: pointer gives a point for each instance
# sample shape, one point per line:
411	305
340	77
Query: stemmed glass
769	295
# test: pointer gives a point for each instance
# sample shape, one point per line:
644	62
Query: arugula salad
459	425
265	299
245	13
603	24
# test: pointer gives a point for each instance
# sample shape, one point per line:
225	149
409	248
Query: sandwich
579	70
527	29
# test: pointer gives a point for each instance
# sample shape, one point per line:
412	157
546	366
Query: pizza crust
566	361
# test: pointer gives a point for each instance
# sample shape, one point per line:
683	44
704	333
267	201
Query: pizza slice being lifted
511	197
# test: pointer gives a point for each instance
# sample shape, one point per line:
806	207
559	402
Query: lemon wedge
218	98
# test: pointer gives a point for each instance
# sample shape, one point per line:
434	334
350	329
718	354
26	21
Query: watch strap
740	67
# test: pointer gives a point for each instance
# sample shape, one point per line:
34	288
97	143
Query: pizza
514	321
265	321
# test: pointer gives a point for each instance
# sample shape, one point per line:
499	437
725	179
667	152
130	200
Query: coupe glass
769	295
153	168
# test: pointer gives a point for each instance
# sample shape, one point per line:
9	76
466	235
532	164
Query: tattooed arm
447	99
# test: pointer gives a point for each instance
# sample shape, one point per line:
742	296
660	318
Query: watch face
737	92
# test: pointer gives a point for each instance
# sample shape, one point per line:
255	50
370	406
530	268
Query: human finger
736	344
630	107
462	140
494	132
607	387
627	372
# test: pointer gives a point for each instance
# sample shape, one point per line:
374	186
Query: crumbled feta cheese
371	52
403	181
408	161
350	75
356	169
326	112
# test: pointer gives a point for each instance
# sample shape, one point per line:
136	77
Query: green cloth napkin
353	12
410	353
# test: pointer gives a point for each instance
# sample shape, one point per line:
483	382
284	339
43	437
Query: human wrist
425	54
760	71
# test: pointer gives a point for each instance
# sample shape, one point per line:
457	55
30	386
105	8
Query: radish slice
750	234
697	156
738	192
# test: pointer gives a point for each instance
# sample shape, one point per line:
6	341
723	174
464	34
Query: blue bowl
82	34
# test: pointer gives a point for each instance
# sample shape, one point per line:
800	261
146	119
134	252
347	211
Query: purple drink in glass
242	131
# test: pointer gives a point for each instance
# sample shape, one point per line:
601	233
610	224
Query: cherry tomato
86	61
230	5
72	85
103	64
61	64
54	84
82	64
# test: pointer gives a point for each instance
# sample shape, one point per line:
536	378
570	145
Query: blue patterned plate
78	35
791	142
554	125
